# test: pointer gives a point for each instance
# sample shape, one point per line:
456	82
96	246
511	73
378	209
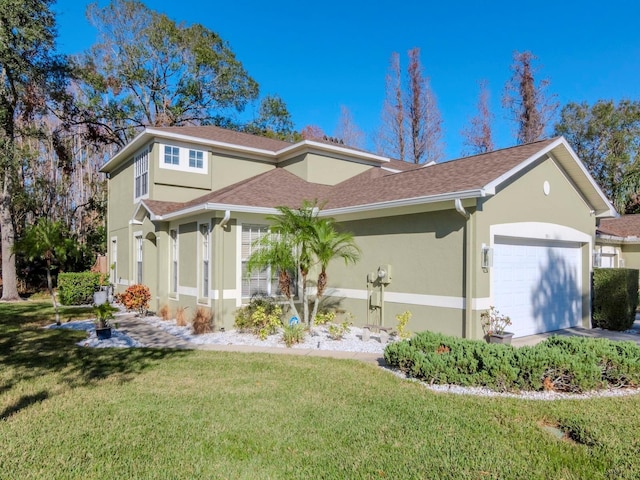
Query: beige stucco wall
631	255
321	169
425	251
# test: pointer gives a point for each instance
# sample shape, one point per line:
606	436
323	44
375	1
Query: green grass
70	412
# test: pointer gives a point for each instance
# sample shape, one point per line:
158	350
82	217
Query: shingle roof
280	187
209	132
624	226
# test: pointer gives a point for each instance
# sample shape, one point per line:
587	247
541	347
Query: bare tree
312	131
411	123
390	138
532	109
477	136
347	130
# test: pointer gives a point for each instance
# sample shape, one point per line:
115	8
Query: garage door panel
537	284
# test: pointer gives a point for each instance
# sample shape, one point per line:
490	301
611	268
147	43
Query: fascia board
217	206
610	211
305	145
493	185
476	193
132	146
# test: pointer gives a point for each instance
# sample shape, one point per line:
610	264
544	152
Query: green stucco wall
322	169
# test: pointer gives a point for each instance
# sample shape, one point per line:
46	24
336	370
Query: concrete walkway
631	336
153	337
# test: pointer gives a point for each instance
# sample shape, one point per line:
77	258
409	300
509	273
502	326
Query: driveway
632	335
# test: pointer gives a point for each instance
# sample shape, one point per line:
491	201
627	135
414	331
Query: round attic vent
546	188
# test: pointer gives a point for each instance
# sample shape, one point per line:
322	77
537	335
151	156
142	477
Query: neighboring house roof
470	177
626	226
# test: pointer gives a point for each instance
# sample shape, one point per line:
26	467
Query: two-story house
512	228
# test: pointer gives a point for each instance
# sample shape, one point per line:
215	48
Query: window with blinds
205	235
174	261
258	283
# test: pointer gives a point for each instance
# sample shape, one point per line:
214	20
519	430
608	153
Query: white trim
123	281
539	231
440	301
227	294
190	291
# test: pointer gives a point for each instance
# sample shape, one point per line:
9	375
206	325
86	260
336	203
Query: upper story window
183	159
196	159
171	155
141	174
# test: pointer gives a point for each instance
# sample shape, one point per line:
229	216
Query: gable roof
376	188
229	141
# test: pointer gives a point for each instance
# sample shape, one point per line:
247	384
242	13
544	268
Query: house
513	228
618	242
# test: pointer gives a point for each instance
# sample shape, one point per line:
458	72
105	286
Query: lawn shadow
28	351
23	402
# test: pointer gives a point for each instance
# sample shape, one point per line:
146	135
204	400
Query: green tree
148	70
273	120
48	241
32	82
300	240
606	137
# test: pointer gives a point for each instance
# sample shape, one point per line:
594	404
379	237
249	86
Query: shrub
292	334
135	297
615	298
322	318
403	319
202	321
104	312
338	330
164	313
181	320
77	288
567	364
262	317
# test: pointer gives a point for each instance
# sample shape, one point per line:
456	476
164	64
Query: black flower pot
103	333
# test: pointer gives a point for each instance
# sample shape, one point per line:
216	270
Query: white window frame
141	174
174	262
173	155
204	262
138	246
185	154
244	251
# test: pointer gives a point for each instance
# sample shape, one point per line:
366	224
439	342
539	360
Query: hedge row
565	364
78	288
615	298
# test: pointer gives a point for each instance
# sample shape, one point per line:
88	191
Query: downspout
220	262
468	269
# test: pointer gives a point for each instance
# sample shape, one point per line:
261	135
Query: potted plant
104	313
493	324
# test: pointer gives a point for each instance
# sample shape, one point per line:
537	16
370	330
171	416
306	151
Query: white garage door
537	283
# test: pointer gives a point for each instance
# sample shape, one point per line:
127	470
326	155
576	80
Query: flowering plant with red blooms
135	297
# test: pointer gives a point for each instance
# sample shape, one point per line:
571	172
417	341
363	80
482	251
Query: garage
537	283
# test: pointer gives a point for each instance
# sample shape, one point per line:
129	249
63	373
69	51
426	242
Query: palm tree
328	244
299	240
46	240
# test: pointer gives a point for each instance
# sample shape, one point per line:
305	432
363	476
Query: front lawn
72	412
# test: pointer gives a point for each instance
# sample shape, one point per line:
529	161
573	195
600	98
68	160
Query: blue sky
318	56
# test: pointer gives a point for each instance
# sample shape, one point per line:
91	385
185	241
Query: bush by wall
565	364
77	288
615	298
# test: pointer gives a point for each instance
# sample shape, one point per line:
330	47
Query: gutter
218	260
467	252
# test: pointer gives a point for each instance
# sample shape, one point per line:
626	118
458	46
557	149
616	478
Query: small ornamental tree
135	297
